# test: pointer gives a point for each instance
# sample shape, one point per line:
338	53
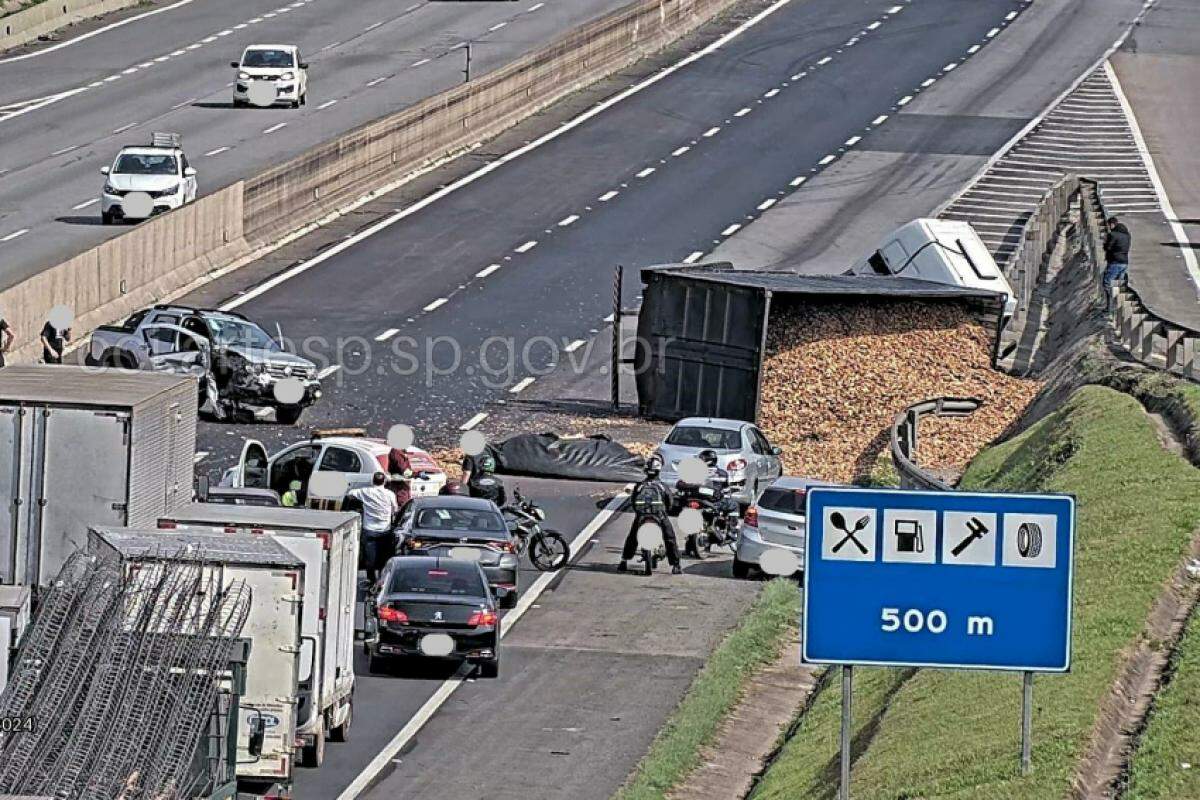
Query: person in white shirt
379	511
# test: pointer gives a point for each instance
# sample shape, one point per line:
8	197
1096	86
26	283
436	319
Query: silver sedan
742	451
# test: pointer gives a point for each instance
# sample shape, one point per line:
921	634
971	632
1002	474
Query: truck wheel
313	756
341	733
288	415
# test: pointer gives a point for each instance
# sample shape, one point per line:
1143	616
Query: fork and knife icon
851	534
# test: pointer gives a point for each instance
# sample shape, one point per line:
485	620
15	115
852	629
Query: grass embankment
753	644
1166	765
949	734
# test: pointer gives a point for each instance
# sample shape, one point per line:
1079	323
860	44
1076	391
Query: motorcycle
650	510
721	517
548	550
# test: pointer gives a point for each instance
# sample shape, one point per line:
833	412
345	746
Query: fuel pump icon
910	537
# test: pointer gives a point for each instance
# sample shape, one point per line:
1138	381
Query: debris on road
835	376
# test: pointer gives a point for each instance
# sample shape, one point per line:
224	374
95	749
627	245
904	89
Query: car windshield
787	501
460	519
460	579
712	438
230	332
271	59
146	164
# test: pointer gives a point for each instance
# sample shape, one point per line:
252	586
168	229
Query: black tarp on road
546	455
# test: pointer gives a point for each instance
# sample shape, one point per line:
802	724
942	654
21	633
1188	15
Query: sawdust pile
836	374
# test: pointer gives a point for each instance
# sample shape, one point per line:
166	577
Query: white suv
144	181
280	66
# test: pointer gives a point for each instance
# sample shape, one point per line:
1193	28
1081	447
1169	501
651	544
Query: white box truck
327	543
87	446
276	581
941	251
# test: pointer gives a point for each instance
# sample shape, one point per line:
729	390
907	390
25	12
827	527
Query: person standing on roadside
6	338
54	341
1116	254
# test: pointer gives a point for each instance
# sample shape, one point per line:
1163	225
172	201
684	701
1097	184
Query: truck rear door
252	469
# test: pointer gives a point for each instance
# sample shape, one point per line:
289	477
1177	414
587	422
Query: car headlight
109	188
243	76
287	76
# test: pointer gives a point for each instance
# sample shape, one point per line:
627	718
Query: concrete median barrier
163	256
20	27
130	271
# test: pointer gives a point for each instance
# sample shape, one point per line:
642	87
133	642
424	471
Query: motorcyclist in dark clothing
651	499
482	481
714	495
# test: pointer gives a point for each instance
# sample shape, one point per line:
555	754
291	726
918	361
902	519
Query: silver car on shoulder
742	451
775	522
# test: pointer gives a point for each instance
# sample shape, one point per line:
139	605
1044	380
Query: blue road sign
938	579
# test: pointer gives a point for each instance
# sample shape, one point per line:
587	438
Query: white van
942	251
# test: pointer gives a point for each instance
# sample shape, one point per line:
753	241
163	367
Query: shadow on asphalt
93	220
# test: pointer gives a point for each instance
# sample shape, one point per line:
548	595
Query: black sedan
434	608
467	528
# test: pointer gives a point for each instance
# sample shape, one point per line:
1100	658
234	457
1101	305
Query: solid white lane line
473	421
405	735
208	40
497	26
712	132
694	257
575	345
797	180
520	385
680	150
1189	255
882	118
65	150
325	373
829	159
419	63
441	301
389	333
488	270
14	235
535	7
86	203
124	128
218	151
372	27
377	81
604	198
326	104
765	204
276	127
565	221
646	172
97	32
732	229
492	166
525	248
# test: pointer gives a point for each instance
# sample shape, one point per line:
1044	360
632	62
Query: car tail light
389	614
693	504
482	618
736	465
751	517
503	547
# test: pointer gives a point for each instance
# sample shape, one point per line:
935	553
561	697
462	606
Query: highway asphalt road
66	111
423	329
588	675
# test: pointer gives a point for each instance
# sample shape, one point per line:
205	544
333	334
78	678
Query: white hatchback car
776	521
278	66
159	175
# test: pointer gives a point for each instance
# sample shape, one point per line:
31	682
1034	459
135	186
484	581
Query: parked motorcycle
721	516
650	510
548	550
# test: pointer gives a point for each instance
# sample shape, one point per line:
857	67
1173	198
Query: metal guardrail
1038	238
1152	339
904	439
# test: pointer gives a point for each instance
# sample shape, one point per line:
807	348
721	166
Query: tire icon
1029	540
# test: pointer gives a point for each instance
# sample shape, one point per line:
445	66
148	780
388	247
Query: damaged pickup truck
239	365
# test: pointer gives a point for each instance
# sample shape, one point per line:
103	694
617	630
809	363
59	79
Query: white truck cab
942	251
144	181
268	74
